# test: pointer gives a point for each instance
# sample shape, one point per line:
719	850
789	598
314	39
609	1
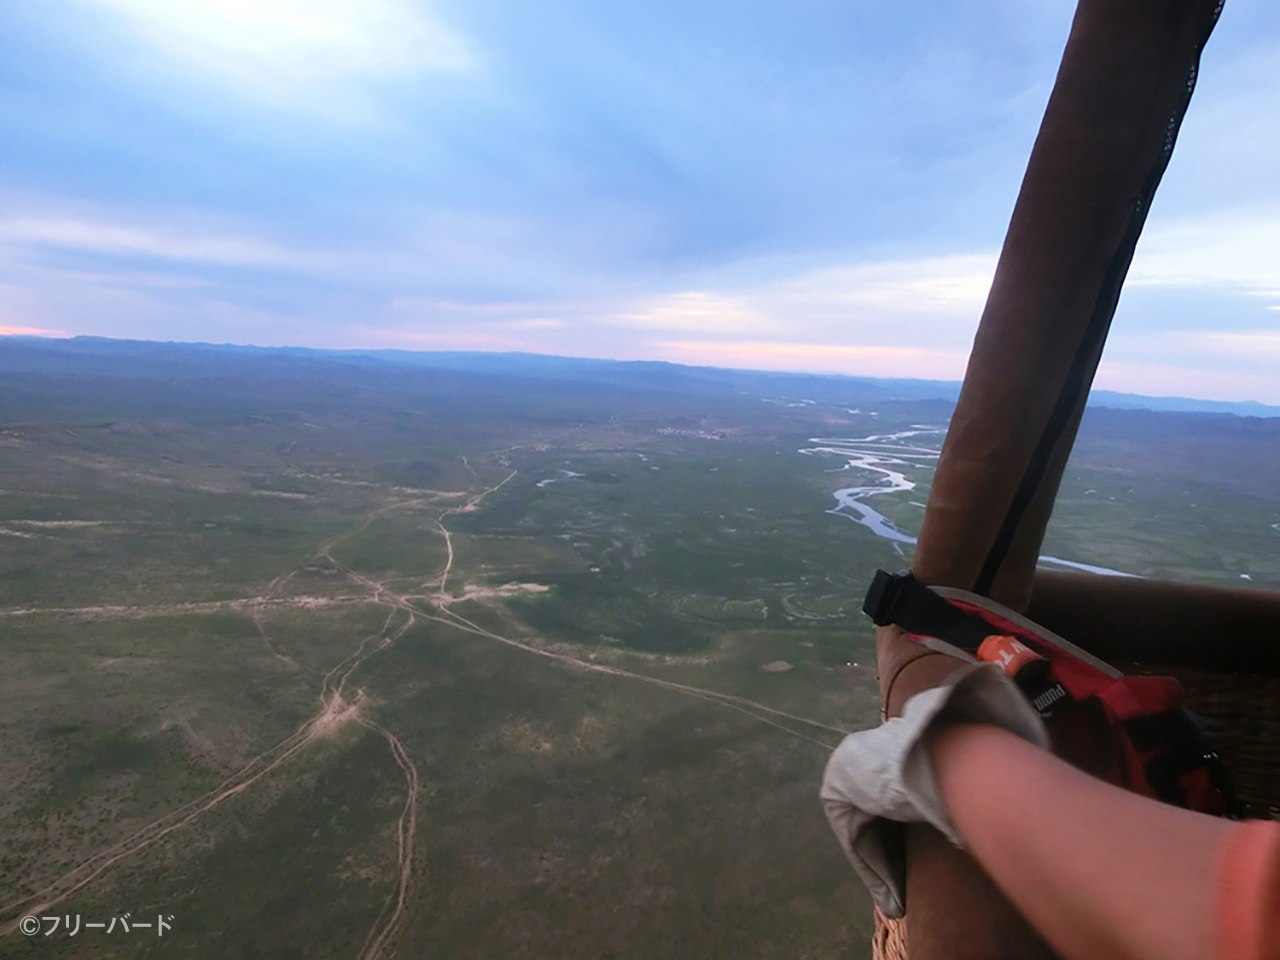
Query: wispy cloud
875	361
160	243
1244	346
871	303
1230	248
1179	378
450	338
30	332
698	310
867	318
952	286
278	49
811	187
536	323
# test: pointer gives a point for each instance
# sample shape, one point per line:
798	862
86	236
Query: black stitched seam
1095	334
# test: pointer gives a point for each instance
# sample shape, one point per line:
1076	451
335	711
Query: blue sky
808	185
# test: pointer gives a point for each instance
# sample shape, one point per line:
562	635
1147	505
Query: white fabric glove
885	774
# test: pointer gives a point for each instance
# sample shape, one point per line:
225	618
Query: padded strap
901	599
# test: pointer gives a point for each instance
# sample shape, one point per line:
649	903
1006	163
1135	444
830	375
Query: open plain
340	663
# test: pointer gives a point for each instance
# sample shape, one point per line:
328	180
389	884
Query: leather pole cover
1123	79
1162	624
1111	118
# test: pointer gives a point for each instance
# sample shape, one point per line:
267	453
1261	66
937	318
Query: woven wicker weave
1244	717
889	942
1243	711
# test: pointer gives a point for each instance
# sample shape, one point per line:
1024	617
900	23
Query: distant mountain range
99	357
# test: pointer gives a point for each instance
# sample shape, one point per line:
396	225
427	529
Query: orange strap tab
1249	893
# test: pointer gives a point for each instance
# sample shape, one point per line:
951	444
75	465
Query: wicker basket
1243	711
889	942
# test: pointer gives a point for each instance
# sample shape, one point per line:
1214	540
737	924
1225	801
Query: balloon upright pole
1108	131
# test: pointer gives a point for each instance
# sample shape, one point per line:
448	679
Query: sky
806	185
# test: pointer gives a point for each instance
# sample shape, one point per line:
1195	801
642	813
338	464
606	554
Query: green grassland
534	625
1192	497
176	591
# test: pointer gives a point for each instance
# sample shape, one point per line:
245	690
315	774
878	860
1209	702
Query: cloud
1249	346
874	361
536	323
449	338
868	318
699	310
64	303
1230	248
30	332
1180	378
278	49
954	285
124	240
935	300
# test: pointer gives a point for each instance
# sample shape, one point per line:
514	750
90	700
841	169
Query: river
890	456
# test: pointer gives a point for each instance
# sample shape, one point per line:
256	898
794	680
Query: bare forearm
1100	872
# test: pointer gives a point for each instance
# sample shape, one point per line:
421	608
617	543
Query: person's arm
1098	871
1101	873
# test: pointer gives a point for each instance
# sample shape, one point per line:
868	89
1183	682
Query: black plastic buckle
899	598
882	598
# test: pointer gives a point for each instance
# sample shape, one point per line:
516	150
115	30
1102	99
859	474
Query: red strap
1134	696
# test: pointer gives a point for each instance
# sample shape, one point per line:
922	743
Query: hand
879	776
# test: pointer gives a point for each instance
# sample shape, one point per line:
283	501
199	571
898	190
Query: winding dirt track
750	707
143	611
385	926
336	710
334	713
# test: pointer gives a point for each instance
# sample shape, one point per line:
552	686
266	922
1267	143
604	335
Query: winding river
890	455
